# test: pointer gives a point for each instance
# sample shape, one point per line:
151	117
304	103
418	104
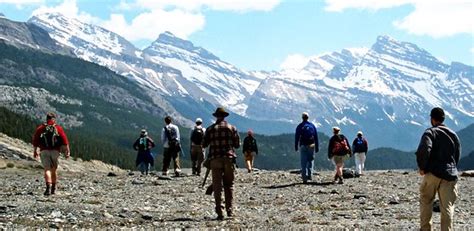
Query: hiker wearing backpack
50	139
143	145
338	150
306	141
437	157
222	139
360	147
250	150
171	146
197	150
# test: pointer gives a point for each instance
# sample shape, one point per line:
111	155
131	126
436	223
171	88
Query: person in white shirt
171	145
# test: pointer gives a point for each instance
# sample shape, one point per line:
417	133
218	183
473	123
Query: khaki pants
447	193
249	157
167	157
49	159
197	157
223	175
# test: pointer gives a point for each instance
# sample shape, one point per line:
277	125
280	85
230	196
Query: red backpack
340	147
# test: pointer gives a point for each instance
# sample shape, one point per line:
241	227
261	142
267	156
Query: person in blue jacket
143	145
306	141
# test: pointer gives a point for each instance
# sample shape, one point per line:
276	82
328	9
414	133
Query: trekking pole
205	177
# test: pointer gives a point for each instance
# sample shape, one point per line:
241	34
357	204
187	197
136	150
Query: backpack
173	143
143	143
359	145
340	147
197	136
50	137
307	134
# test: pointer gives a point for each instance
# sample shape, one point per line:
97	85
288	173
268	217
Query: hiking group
437	157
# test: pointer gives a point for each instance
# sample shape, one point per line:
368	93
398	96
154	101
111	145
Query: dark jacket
439	152
250	145
360	145
144	152
301	140
332	143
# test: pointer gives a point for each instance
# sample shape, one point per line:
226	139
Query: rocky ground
95	198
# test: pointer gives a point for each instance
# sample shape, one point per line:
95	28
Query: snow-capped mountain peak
169	38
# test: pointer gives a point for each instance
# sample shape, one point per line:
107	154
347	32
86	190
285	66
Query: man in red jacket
49	138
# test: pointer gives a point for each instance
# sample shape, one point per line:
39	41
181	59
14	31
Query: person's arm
457	153
64	140
236	138
36	142
348	145
316	140
297	137
163	136
152	143
366	145
330	147
135	145
177	133
205	141
424	150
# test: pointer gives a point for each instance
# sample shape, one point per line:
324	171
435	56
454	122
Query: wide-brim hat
220	112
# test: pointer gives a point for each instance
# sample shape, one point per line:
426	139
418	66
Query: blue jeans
144	167
307	157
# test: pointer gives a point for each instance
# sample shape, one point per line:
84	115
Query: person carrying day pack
171	146
306	141
250	150
338	150
143	145
437	157
197	150
50	139
359	147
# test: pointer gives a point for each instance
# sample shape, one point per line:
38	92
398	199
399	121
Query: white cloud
196	5
435	18
472	50
21	2
295	61
149	25
68	8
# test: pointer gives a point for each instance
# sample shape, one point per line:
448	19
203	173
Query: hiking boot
220	217
340	180
47	192
229	213
177	174
53	189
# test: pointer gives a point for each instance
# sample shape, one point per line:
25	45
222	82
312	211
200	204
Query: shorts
49	159
249	155
339	159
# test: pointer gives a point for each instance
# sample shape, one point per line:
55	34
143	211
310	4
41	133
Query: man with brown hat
49	138
222	139
437	157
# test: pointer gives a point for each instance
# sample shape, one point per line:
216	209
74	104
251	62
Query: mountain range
386	90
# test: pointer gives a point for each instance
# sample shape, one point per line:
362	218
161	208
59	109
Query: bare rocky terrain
102	196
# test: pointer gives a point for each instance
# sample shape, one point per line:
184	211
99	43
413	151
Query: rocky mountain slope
386	90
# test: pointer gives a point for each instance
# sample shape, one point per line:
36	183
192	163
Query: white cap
305	114
336	129
198	120
360	132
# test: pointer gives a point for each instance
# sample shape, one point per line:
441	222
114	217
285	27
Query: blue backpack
307	134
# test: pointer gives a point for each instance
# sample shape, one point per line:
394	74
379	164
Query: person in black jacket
359	147
145	159
437	157
250	150
338	150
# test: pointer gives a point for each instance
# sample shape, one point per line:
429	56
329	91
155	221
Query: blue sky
273	34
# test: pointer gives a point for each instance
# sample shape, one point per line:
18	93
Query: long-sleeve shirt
222	139
40	129
148	143
250	145
312	138
439	152
174	133
332	143
360	144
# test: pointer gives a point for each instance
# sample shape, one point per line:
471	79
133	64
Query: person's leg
194	159
357	160
447	193
166	161
177	168
217	166
362	162
200	159
252	158
304	162
229	171
47	162
309	163
340	166
247	161
428	188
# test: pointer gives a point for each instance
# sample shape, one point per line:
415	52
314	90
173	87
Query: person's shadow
299	183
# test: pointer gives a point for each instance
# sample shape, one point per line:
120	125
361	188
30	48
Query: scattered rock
334	192
137	182
53	226
147	216
394	200
358	196
406	173
108	215
468	173
131	173
112	174
164	178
